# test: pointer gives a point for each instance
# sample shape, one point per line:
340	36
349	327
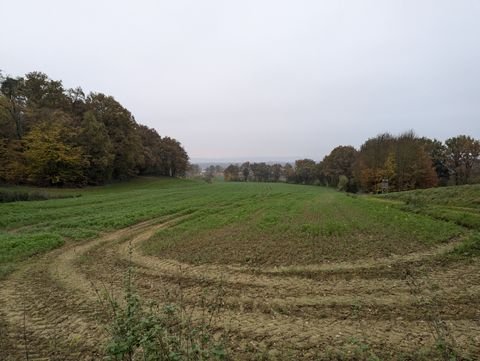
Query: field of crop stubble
304	272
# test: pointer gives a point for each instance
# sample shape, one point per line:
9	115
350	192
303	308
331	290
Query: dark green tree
438	154
95	142
174	159
305	171
122	131
232	173
462	154
276	172
245	170
12	105
152	151
340	161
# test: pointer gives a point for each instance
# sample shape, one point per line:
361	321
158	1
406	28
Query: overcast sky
265	79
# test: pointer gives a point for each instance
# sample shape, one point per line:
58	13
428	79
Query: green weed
149	332
254	223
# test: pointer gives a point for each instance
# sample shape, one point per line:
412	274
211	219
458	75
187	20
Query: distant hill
225	162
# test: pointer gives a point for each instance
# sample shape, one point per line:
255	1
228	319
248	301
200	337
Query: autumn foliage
401	161
383	163
52	136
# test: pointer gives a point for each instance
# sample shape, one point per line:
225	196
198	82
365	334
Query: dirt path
51	310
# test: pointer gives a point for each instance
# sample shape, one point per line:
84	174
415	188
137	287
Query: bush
17	196
342	185
154	333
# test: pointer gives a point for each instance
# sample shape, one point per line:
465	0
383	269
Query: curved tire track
51	305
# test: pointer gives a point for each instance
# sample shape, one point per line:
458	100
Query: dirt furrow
51	308
302	292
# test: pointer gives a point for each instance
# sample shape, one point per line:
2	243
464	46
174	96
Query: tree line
384	162
52	136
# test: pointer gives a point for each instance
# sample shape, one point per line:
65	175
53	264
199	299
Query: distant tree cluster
211	172
193	171
402	162
258	172
50	135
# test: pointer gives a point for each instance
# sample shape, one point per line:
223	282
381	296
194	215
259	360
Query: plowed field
294	285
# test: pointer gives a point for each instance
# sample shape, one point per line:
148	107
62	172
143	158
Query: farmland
304	272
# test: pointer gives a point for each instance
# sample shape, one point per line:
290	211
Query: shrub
342	185
166	333
16	196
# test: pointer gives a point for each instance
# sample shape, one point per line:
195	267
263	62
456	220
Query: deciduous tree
305	171
50	161
232	173
462	153
340	161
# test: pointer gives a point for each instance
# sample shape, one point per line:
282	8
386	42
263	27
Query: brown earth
51	309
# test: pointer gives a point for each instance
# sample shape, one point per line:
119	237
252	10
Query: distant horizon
243	159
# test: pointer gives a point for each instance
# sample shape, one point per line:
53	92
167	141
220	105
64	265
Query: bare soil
51	309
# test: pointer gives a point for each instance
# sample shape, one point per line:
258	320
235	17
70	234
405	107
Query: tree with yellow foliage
51	161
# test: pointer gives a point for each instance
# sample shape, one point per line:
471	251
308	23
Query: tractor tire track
51	307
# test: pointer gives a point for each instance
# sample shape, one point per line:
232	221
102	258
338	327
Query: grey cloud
256	78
